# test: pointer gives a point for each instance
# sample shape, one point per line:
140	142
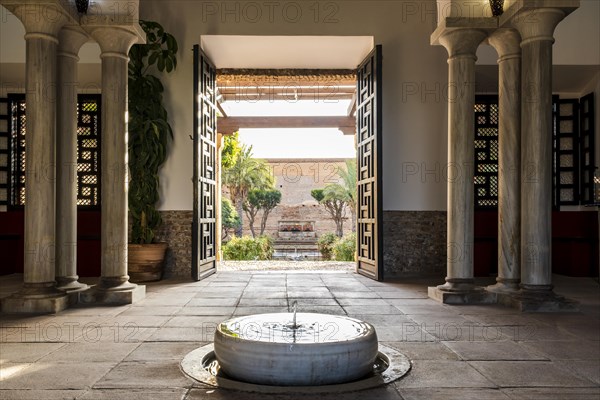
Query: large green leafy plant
149	128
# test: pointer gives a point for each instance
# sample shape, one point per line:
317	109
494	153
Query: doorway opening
339	108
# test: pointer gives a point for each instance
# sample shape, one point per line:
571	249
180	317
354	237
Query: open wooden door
369	175
204	224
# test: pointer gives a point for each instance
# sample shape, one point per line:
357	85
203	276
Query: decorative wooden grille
566	153
205	157
4	151
486	152
88	149
369	139
587	146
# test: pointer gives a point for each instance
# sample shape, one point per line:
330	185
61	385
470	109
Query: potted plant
149	135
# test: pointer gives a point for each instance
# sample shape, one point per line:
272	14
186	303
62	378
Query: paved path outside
284	265
458	352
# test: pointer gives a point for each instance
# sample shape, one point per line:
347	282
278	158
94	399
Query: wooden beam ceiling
229	125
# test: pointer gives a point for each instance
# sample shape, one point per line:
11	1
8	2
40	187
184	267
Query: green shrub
344	249
248	248
325	243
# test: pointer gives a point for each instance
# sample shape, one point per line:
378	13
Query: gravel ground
286	266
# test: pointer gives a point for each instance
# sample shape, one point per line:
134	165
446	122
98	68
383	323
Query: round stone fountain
317	350
304	352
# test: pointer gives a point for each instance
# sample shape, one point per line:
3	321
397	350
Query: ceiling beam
229	125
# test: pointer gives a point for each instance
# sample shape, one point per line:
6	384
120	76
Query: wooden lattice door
369	173
204	250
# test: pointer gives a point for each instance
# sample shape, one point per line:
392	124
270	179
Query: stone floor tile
412	302
280	294
299	294
361	302
213	301
385	393
311	302
371	310
134	394
90	352
126	333
254	302
142	321
382	320
26	352
589	369
154	351
566	350
94	310
218	294
528	374
493	351
426	309
193	334
355	295
145	375
452	394
424	350
404	333
332	310
207	311
443	374
401	294
193	321
26	394
552	393
240	311
75	375
154	310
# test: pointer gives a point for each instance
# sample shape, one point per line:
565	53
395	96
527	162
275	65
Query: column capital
507	42
462	36
114	36
70	40
538	24
42	18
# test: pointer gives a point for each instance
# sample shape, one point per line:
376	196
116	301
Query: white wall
415	74
414	130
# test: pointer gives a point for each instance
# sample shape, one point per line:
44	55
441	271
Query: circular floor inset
202	366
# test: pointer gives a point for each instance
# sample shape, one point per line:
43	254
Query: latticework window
88	150
4	152
566	152
486	152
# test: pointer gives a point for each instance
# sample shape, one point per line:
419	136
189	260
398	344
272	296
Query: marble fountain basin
319	349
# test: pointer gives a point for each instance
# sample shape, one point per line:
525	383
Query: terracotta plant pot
146	261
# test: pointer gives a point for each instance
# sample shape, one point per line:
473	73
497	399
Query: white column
507	44
536	145
71	39
115	42
461	45
42	23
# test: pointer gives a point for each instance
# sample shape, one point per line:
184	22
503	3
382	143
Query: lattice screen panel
566	152
587	146
4	151
18	130
486	152
88	150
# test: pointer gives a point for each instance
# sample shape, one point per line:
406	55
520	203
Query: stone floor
458	352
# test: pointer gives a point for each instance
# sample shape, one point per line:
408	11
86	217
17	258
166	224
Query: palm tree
247	173
349	184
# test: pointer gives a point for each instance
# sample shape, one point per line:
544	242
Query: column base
504	286
114	290
537	301
462	294
70	284
39	298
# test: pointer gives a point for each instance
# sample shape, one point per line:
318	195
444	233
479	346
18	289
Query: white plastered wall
415	75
